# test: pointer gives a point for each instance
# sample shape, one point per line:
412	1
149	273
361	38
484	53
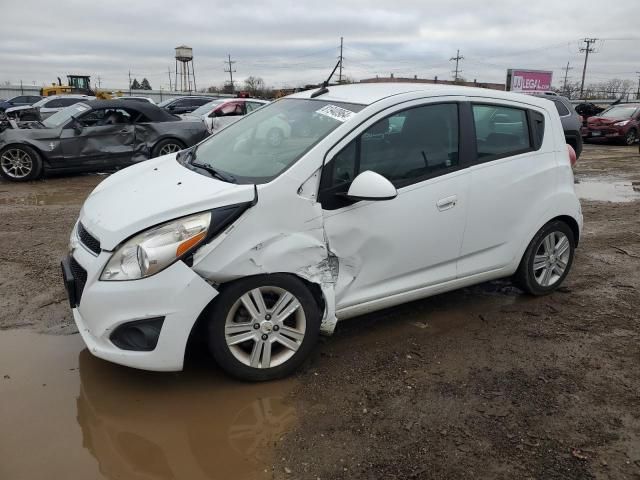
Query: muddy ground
479	383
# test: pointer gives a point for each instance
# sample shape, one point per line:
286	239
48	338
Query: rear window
562	109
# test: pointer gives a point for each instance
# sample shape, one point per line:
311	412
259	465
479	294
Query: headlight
157	248
622	123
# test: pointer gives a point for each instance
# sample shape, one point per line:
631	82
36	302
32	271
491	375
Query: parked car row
45	107
94	135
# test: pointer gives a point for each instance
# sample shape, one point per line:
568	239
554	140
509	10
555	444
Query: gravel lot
478	383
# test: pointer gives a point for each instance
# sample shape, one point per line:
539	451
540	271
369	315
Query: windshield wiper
225	177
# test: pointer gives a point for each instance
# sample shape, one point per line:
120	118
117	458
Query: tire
20	163
275	137
631	137
229	320
166	147
532	278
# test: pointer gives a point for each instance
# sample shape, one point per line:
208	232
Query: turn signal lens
185	246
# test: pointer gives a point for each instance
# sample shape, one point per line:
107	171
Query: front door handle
447	203
124	131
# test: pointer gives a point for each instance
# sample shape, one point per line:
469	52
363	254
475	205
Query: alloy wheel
16	163
630	138
265	327
551	259
170	148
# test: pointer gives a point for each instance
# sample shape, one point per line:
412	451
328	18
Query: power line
457	58
341	58
587	50
230	71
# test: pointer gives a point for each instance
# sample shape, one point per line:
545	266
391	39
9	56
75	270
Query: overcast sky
290	43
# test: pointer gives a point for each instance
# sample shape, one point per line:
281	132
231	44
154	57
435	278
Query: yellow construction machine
78	84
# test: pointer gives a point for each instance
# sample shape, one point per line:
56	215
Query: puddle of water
607	190
67	414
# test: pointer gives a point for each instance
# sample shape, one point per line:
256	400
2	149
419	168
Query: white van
395	192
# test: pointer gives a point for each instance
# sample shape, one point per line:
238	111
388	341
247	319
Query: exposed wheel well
198	331
573	225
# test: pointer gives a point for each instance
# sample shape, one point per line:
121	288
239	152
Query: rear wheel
166	147
20	163
547	260
263	327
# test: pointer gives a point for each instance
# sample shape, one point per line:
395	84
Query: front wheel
547	260
20	163
630	137
166	147
263	327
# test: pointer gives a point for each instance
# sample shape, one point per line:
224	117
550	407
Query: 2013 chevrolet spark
390	193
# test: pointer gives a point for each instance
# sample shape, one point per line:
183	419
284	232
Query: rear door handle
447	203
124	131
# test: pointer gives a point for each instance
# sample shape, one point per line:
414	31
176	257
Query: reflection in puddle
129	424
607	189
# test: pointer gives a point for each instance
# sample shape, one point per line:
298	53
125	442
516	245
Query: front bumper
177	293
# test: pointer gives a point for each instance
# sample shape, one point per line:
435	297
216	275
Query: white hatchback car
46	107
222	112
395	192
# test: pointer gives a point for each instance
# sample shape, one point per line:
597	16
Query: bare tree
254	85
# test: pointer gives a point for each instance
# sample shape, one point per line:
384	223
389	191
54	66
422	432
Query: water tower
185	74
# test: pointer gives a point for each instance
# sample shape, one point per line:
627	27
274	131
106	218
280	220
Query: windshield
619	111
166	102
60	118
40	103
206	108
257	148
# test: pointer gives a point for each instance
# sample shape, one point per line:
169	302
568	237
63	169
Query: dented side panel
270	240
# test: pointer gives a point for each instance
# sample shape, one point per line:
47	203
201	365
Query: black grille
80	276
88	240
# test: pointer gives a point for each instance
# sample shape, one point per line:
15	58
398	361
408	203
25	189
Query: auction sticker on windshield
337	113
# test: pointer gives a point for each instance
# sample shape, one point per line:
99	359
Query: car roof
368	93
151	111
71	95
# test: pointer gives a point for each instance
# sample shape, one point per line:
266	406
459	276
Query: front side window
56	103
260	146
106	116
406	147
233	109
251	106
500	131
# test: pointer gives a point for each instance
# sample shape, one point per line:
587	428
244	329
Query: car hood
17	109
150	193
27	135
597	120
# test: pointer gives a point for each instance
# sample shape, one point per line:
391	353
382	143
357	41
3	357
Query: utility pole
169	73
230	71
129	82
99	84
587	50
566	77
457	58
340	72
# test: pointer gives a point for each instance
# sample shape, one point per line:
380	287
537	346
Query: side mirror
171	107
217	113
371	186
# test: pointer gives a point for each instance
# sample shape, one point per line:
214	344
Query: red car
619	122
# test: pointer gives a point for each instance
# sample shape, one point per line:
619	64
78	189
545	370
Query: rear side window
65	102
563	111
56	103
500	131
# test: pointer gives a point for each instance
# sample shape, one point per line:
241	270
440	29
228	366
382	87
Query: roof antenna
323	89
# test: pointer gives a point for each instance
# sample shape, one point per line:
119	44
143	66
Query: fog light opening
139	335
